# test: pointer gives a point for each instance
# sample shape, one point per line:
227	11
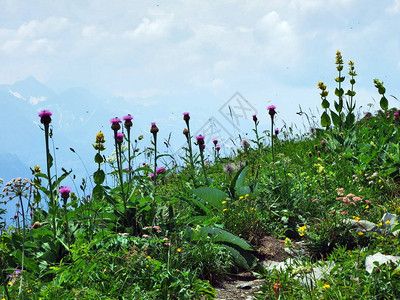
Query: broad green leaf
384	103
336	119
99	176
325	120
211	195
29	263
218	235
242	258
325	104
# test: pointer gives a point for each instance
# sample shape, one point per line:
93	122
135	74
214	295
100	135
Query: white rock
380	258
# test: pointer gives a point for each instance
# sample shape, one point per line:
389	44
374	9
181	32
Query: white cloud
37	29
394	8
148	28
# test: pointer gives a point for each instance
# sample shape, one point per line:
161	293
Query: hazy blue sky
186	55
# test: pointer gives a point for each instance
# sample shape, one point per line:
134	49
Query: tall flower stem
128	133
203	166
186	132
272	112
118	152
23	244
45	119
128	124
200	143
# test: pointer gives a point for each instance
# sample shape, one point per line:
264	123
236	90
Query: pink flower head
217	147
276	131
315	200
151	175
15	216
45	117
119	138
165	239
167	244
128	118
368	201
115	120
356	198
215	141
160	170
200	139
154	128
64	191
156	227
396	113
145	236
350	195
255	118
128	121
271	110
186	117
115	123
343	212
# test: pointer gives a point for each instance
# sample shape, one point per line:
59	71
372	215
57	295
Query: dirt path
244	285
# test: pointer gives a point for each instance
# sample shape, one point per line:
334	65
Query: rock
361	225
388	223
379	258
244	286
307	275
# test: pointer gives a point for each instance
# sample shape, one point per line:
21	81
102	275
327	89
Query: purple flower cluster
64	191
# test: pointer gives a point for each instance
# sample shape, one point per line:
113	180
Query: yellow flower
359	172
223	202
179	250
100	138
356	218
360	233
148	257
380	223
367	207
379	181
387	222
326	286
241	197
225	209
29	291
246	195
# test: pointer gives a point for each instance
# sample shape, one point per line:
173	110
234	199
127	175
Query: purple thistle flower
154	128
119	138
200	139
128	121
45	117
276	131
15	216
128	118
255	118
151	175
160	170
271	110
215	141
186	117
64	191
115	123
218	147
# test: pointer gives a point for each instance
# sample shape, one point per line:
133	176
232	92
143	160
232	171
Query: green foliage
173	235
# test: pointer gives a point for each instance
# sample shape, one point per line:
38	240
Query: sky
178	56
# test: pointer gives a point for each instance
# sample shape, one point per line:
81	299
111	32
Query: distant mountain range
77	117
